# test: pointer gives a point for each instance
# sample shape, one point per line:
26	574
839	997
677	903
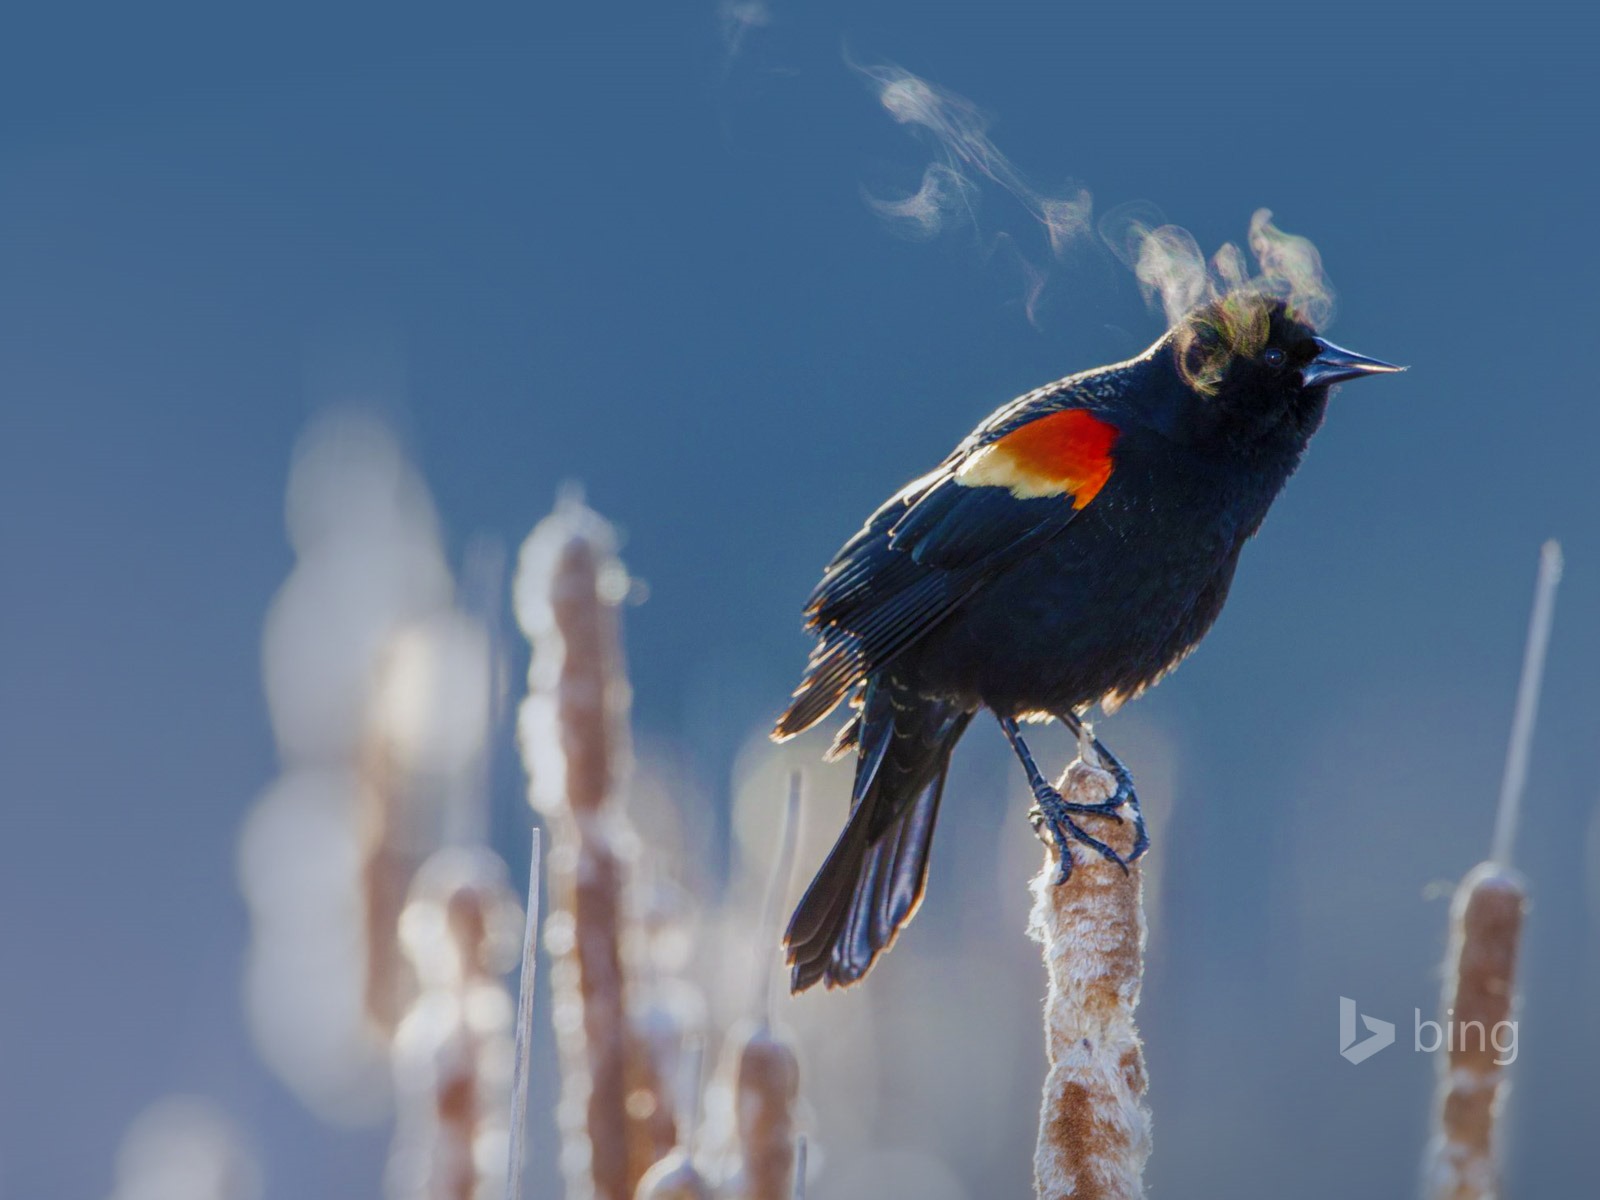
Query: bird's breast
1108	604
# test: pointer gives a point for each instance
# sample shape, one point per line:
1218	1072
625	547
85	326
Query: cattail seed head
1094	1128
1485	926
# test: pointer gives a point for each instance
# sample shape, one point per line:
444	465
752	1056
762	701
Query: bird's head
1256	370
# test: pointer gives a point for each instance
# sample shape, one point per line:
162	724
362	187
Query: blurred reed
766	1089
800	1156
1480	965
614	1116
185	1148
377	689
675	1176
1094	1128
766	1085
453	1050
388	861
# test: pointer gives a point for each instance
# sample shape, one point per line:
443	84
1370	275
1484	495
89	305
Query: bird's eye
1274	357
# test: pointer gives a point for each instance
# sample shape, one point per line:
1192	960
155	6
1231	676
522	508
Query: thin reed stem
767	949
800	1152
1527	710
767	1072
518	1139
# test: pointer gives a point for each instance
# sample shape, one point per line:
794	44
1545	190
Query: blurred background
629	245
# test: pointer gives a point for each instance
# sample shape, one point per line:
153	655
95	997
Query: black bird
1069	552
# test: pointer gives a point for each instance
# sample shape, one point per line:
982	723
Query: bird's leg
1055	812
1110	762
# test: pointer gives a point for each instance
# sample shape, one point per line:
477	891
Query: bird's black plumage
1070	551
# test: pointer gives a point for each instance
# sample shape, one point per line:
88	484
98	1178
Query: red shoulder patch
1062	453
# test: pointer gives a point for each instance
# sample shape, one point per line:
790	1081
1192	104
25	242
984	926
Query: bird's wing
1019	480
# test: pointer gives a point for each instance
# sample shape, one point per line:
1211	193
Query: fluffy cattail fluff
453	1050
1094	1129
573	739
1480	966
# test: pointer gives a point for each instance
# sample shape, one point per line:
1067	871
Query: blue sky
592	244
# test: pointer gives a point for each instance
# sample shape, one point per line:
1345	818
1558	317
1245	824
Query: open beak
1334	364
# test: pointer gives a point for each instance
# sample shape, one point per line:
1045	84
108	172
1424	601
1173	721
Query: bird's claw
1056	812
1124	796
1053	812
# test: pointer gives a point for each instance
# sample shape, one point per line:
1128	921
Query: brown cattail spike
569	584
1094	1128
1476	1027
1485	924
766	1089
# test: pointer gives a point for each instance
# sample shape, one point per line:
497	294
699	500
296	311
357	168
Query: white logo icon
1379	1033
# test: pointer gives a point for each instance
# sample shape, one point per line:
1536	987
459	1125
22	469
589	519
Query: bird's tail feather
872	881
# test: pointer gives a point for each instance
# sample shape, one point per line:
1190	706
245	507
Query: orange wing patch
1065	453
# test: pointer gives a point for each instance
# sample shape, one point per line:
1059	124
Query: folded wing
1015	483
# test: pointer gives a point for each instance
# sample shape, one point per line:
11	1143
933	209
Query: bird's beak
1334	364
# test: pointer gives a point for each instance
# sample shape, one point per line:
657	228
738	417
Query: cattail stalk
1527	710
1094	1128
573	738
1480	965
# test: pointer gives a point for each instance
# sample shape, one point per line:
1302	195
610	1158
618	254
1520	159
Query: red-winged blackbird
1071	551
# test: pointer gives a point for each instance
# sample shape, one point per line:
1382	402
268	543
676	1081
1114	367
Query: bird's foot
1092	749
1125	796
1054	813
